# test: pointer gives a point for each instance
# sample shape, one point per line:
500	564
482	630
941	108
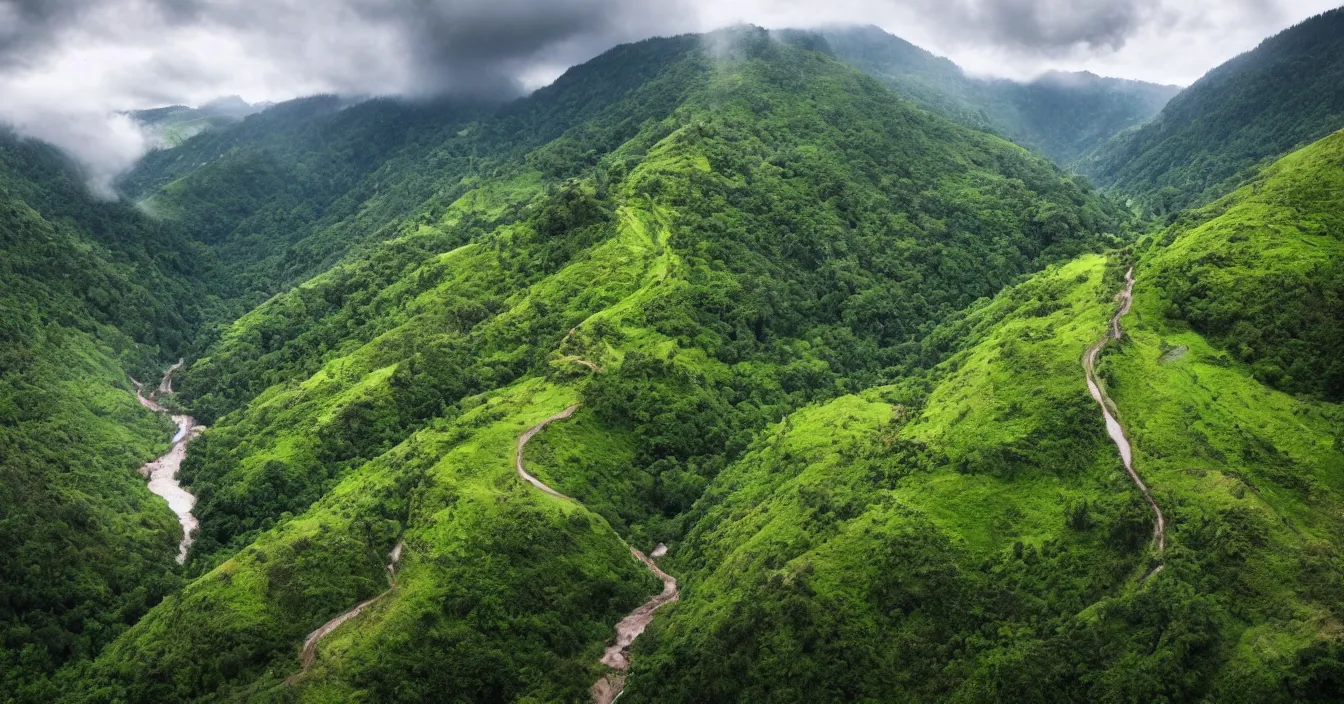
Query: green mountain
90	292
1061	115
1286	93
971	535
172	125
824	344
290	192
741	234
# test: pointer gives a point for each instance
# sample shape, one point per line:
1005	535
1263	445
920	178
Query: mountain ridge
826	346
1061	114
1241	116
654	264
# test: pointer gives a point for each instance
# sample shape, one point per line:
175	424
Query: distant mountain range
1058	114
1284	94
911	412
1061	115
175	124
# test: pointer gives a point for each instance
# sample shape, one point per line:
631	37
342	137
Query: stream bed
162	472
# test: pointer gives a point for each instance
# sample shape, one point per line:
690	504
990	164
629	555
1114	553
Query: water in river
162	472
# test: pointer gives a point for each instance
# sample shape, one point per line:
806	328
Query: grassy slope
1259	271
482	329
832	561
502	590
981	542
246	616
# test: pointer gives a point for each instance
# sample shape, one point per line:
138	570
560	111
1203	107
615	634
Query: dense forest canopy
807	309
1285	94
90	291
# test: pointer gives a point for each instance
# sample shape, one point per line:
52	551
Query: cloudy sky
67	65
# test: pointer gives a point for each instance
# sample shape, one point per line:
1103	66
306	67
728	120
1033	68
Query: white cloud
68	66
1163	41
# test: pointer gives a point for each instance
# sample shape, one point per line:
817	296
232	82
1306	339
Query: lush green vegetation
1285	94
980	541
502	591
720	196
744	233
1061	115
971	536
290	192
1259	272
89	292
826	345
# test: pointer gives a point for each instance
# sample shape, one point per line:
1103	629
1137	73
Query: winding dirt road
607	689
522	443
1110	412
162	472
308	653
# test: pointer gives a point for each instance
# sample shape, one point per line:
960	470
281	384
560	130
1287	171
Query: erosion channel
607	689
162	472
1110	412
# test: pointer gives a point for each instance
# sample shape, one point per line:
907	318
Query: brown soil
610	686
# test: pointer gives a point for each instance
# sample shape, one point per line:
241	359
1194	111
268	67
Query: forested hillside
780	304
750	230
1285	94
89	292
288	193
1061	115
970	535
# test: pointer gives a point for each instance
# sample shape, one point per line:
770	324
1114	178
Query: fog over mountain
482	351
67	67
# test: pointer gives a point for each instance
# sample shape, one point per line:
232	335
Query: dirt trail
522	442
166	386
1110	413
308	653
607	689
579	360
162	472
633	625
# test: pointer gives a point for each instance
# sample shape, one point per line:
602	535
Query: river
162	472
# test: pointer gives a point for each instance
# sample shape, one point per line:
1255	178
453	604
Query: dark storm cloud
480	44
25	24
67	66
356	45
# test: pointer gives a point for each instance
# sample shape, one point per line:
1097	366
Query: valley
745	366
162	472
